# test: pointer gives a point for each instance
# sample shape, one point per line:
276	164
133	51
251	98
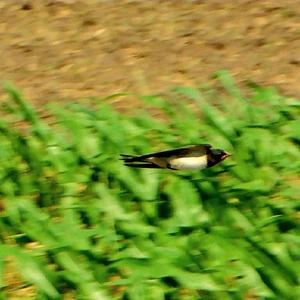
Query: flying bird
189	158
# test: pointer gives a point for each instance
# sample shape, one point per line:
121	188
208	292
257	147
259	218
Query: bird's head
217	155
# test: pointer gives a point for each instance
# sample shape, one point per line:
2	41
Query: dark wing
179	152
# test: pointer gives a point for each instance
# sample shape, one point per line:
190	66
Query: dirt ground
68	49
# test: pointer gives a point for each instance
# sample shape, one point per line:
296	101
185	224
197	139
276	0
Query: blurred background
83	82
60	49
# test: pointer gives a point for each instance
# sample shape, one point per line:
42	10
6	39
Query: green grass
78	224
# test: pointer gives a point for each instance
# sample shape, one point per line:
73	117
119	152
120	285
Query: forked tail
137	162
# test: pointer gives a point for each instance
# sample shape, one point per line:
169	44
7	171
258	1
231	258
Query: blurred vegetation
76	223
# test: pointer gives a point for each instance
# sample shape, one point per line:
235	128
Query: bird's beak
226	154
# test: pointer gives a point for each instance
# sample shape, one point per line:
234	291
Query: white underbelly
189	163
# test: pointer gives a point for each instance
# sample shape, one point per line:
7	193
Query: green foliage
101	230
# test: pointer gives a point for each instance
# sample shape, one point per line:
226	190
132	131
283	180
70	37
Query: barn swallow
188	158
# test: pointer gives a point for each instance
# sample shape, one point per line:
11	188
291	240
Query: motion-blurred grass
77	224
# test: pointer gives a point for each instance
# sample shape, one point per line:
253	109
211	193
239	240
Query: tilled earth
68	49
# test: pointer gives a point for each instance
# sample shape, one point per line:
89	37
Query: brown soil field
68	49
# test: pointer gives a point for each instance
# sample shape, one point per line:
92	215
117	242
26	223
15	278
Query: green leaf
31	270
